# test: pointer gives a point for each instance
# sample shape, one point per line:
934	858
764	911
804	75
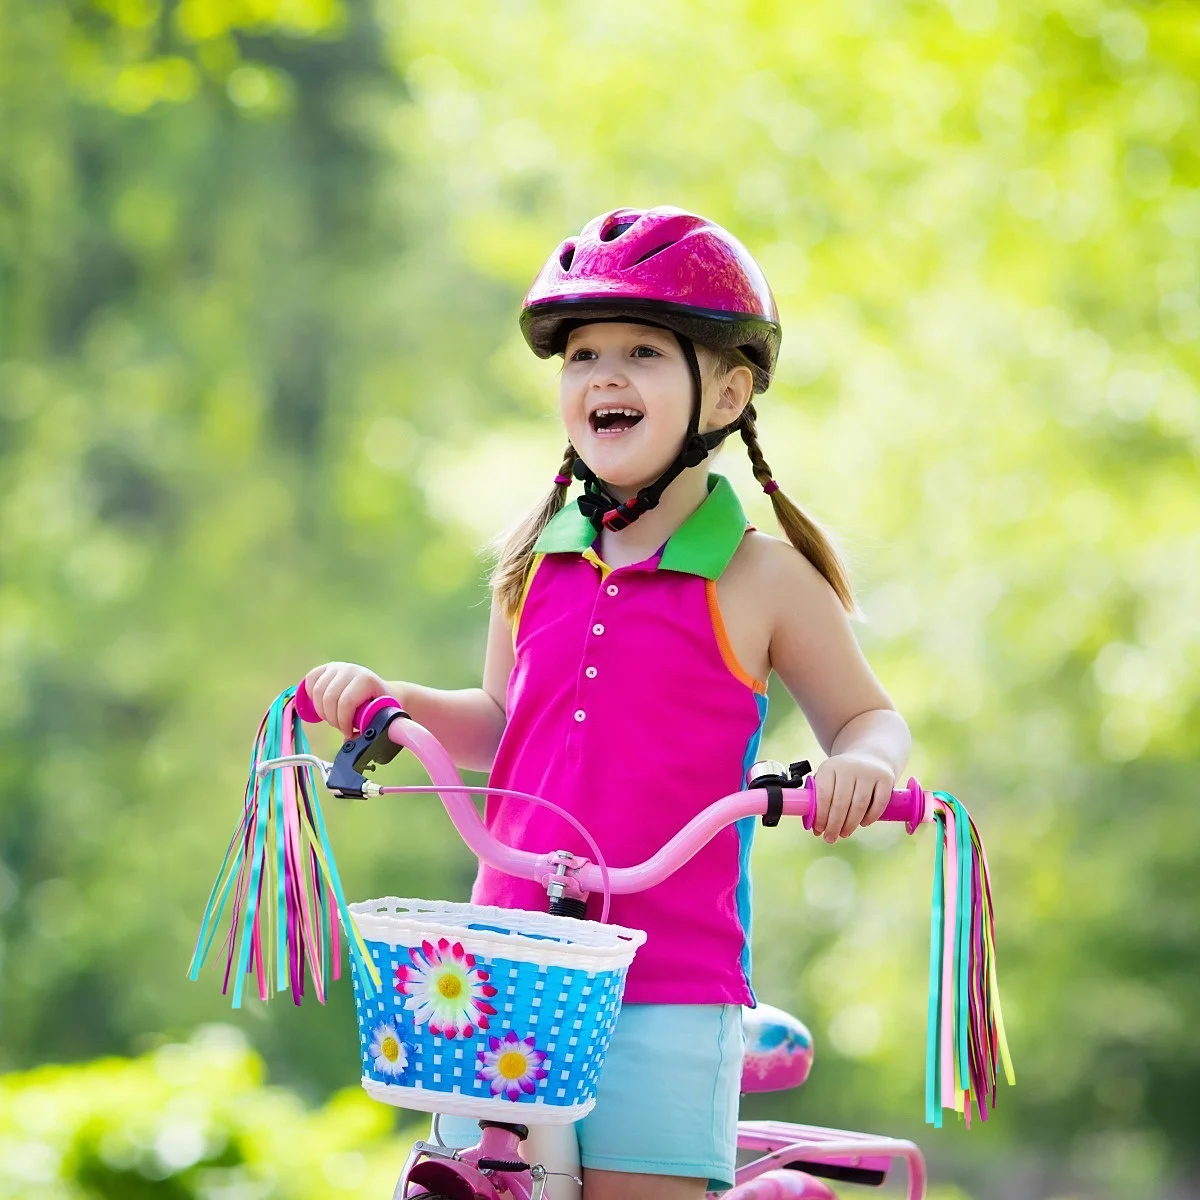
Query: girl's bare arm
816	655
467	721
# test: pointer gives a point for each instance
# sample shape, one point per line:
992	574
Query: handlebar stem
562	879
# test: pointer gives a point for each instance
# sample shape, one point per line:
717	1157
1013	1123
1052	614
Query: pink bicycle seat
779	1050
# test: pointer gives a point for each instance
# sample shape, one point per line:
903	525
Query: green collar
702	545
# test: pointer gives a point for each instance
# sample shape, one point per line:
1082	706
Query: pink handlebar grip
362	716
304	705
909	805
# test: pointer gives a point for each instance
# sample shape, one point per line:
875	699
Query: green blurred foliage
262	399
190	1120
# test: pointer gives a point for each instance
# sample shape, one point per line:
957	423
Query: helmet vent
567	256
652	253
614	231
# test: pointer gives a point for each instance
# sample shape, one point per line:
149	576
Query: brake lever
369	749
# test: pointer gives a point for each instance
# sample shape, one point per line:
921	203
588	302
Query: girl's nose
607	373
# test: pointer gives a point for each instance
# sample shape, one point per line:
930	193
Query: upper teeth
617	412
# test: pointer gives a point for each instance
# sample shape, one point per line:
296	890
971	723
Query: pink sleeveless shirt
627	708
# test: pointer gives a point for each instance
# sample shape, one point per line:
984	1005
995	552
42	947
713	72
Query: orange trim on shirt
731	660
537	562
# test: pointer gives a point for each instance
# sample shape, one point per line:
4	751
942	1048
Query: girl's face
625	397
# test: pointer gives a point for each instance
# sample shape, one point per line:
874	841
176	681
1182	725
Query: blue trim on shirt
745	828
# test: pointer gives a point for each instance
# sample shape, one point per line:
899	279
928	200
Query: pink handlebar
911	806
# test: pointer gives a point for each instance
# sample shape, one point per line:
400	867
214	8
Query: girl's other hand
852	790
339	689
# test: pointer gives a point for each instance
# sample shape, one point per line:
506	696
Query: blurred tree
194	277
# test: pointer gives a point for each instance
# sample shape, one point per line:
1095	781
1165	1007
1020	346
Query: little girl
631	638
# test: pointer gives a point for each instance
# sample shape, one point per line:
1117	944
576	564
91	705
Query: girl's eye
585	355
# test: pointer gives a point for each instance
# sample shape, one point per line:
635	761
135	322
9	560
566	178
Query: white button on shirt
612	589
597	629
590	672
580	714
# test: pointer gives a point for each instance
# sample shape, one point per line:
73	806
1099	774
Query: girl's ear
736	389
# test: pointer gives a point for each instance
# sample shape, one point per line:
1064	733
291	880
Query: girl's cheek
568	397
571	414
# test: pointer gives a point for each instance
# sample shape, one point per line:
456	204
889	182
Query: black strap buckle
774	805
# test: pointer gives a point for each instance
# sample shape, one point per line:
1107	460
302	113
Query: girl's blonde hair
516	552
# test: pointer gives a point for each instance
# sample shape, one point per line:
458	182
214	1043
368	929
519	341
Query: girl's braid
799	528
568	464
749	432
516	553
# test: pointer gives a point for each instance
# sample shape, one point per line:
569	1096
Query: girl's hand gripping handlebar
362	715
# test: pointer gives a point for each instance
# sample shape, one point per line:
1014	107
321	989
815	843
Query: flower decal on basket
512	1065
388	1050
447	988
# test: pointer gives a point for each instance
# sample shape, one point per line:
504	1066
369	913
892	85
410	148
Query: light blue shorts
667	1101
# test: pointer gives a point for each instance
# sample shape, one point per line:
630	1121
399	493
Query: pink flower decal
445	987
512	1065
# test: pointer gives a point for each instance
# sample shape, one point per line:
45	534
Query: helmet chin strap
603	509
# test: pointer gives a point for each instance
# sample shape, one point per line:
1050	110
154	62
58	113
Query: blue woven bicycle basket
487	1011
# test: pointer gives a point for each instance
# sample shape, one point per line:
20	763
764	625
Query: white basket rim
530	935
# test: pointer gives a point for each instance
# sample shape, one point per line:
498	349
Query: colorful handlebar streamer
280	873
965	1040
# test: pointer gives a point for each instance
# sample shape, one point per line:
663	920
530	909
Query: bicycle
795	1161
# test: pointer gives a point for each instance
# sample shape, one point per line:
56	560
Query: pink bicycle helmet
662	265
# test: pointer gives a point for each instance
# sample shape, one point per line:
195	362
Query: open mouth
614	420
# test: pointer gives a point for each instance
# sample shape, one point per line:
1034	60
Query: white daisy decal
388	1050
446	987
512	1065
